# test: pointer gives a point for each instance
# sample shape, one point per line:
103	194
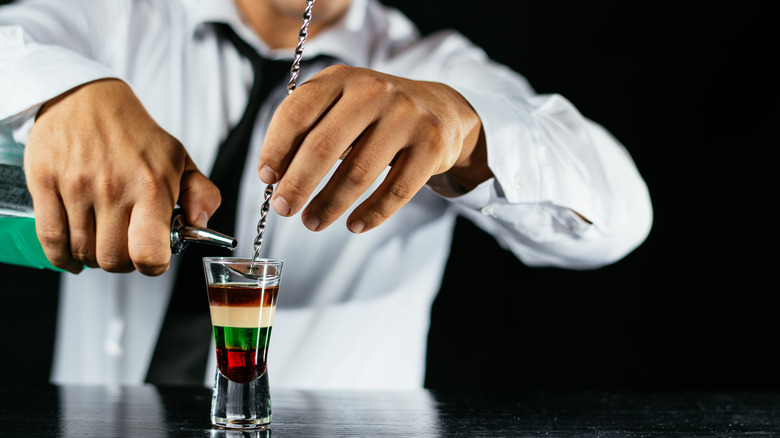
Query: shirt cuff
521	176
509	143
542	151
489	201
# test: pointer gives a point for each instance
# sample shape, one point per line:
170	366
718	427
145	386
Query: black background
689	90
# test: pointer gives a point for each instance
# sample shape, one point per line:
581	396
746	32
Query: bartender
124	108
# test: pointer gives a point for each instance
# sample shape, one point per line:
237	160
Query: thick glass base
241	405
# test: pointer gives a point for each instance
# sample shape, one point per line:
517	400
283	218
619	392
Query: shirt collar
348	40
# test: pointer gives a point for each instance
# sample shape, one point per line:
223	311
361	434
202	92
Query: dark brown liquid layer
235	295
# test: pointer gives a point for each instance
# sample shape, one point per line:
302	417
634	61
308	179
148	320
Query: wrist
472	169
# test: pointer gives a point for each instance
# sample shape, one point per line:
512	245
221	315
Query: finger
149	238
51	226
320	150
294	118
366	161
81	230
199	197
111	223
406	177
76	197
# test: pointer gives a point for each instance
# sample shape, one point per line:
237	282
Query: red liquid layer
239	365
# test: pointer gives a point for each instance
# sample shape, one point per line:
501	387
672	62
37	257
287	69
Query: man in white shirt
120	103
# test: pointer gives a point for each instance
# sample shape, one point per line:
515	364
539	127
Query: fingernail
311	221
267	175
357	226
282	206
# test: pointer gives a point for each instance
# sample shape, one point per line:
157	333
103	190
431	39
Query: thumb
199	197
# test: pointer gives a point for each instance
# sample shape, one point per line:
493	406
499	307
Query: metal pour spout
182	234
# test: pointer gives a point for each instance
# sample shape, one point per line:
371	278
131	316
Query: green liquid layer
240	338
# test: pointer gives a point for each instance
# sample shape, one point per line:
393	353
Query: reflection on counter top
149	411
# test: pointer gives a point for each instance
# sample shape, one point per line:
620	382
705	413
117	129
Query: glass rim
236	260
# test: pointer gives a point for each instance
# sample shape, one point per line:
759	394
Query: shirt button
489	210
520	182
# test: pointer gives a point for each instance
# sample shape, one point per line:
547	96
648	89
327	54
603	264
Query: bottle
19	243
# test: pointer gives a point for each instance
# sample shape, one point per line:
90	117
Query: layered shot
242	316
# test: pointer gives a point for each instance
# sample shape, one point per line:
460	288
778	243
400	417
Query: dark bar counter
149	411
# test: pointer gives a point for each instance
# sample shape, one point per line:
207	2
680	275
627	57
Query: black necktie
182	349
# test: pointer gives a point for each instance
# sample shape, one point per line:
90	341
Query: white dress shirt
353	310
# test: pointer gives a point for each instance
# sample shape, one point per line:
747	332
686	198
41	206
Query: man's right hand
105	178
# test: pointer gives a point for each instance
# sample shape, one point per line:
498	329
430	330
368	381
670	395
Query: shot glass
242	300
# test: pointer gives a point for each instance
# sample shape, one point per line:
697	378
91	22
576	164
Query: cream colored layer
248	317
